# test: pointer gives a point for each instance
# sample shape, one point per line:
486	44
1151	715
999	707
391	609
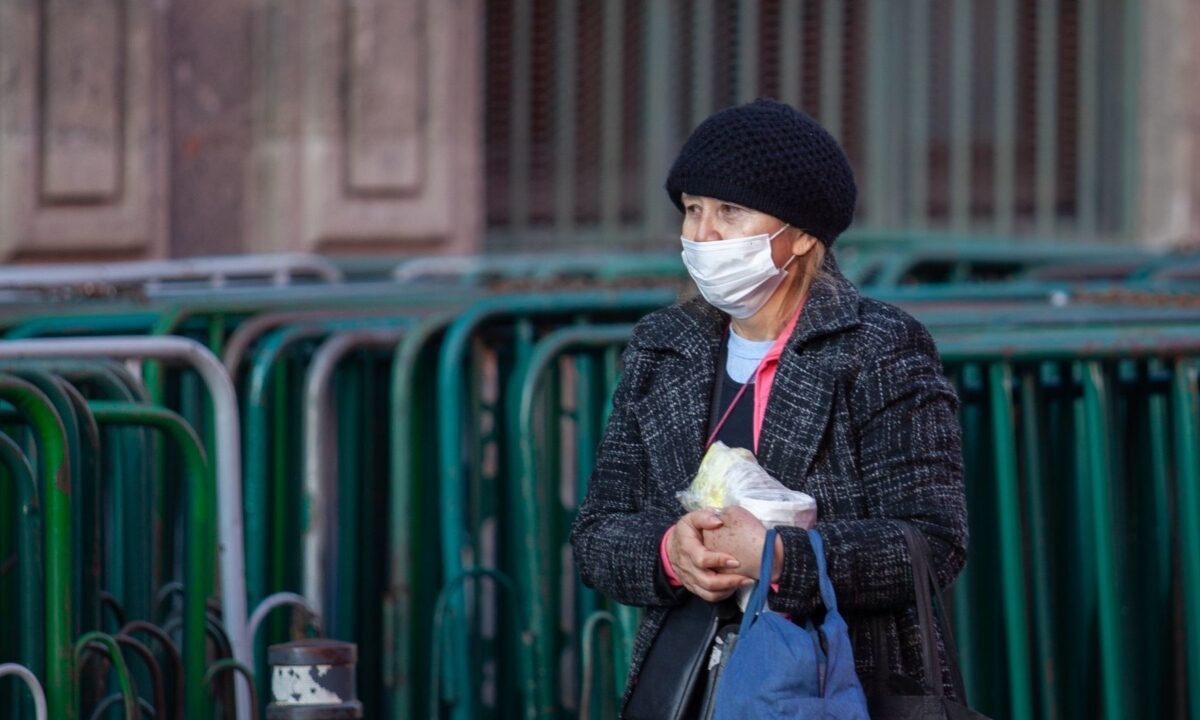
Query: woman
846	402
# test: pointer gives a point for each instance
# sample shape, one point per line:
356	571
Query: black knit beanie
769	157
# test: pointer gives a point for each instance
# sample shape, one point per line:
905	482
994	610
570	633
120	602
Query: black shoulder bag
674	671
892	697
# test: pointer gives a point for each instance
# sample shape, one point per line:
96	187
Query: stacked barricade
189	446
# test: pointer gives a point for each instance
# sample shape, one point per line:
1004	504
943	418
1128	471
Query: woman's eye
730	210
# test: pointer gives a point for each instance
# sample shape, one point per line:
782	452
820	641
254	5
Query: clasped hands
716	552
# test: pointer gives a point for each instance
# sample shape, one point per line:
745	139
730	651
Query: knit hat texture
769	157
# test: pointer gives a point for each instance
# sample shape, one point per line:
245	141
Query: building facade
169	128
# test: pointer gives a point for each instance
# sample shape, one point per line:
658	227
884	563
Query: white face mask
737	275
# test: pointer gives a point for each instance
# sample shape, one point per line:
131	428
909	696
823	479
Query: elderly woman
839	396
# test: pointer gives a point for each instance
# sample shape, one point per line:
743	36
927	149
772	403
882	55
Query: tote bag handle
758	597
931	609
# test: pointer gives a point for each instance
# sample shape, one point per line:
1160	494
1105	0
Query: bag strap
828	596
758	597
931	609
918	552
882	657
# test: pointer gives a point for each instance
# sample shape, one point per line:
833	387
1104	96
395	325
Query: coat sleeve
617	531
910	461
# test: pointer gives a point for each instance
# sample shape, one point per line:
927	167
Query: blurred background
199	127
320	304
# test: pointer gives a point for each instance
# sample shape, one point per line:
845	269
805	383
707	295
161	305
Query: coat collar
795	420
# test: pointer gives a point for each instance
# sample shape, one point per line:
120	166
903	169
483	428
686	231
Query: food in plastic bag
732	476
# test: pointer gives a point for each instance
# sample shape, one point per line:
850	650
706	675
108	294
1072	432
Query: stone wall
170	128
145	128
1170	113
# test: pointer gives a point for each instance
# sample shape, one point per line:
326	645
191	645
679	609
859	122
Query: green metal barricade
199	498
414	573
102	571
26	563
1066	606
98	495
565	382
317	469
412	458
474	363
57	596
1071	423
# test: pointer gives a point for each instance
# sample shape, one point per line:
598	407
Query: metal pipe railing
53	469
198	504
156	679
404	578
278	269
533	576
31	681
1185	406
453	490
320	488
259	384
29	541
228	446
131	570
171	652
278	600
103	643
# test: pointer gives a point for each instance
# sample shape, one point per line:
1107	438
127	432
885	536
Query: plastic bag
732	476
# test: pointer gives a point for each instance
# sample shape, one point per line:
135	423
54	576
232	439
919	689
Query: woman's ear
802	242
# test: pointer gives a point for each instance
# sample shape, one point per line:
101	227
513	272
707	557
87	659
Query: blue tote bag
782	670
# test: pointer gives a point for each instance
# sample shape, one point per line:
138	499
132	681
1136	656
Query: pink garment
672	578
764	378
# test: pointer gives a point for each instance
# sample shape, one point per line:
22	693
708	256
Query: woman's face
707	219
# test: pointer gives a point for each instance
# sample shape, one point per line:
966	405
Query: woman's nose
706	229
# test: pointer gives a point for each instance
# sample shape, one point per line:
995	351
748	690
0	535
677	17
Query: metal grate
982	117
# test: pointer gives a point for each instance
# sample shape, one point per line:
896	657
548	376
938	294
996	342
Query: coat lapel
689	337
799	408
797	415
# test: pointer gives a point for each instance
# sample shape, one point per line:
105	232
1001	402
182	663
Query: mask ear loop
775	235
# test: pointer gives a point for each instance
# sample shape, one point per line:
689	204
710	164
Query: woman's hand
711	575
741	535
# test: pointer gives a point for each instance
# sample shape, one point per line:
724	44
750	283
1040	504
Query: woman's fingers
692	551
713	560
707	573
714	587
741	537
704	519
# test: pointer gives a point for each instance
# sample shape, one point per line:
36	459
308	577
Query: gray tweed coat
860	417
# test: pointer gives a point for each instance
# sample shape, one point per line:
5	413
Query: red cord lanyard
733	403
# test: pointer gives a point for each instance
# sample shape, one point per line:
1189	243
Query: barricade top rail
243	300
1174	269
1068	343
936	263
216	271
544	266
943	317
